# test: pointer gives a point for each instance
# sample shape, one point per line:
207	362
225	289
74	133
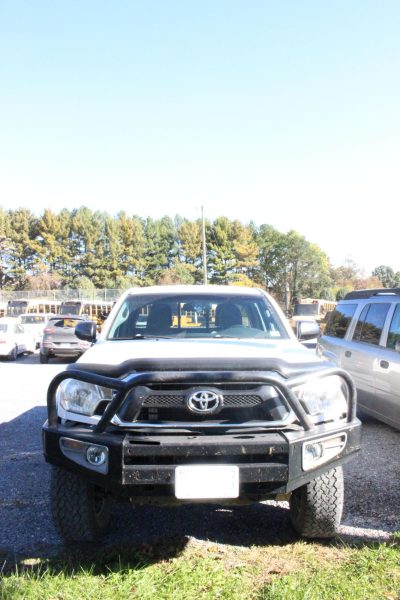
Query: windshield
305	310
70	308
15	308
196	316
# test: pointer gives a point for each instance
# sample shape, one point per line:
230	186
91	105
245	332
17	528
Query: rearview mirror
307	330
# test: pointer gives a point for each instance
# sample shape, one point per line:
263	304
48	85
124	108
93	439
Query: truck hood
116	358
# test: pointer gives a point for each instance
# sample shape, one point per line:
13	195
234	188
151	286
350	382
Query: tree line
81	248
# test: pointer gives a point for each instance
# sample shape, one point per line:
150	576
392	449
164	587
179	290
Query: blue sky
278	112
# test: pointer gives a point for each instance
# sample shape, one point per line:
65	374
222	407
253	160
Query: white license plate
206	481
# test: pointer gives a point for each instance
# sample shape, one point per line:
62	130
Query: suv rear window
32	319
339	320
67	322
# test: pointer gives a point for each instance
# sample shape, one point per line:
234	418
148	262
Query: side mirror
86	330
307	330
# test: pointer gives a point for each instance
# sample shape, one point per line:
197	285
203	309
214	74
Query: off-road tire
316	507
81	510
13	355
44	359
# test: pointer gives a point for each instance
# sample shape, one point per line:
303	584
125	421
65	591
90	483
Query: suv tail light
48	330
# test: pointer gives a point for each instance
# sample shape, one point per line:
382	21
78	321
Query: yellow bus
15	308
95	310
3	309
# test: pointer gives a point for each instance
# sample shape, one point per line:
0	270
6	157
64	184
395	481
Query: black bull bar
125	384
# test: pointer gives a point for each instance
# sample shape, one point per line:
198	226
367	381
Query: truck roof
195	289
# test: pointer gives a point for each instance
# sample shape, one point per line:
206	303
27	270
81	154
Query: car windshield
304	310
196	316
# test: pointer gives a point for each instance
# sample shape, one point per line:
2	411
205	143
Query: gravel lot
371	505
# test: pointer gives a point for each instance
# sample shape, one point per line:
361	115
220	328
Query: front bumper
142	462
49	348
269	463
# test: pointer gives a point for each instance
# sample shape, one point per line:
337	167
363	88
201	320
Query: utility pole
203	232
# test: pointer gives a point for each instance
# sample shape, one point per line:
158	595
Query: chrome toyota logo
204	402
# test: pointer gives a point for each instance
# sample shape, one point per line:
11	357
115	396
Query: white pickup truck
198	394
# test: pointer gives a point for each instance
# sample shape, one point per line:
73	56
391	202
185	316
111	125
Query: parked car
198	394
363	337
59	338
35	324
14	339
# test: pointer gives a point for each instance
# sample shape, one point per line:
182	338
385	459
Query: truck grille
179	400
244	402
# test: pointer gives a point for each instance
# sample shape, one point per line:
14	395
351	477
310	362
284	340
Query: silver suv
363	337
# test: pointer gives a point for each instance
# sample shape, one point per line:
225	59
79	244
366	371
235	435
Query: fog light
318	452
96	455
87	455
314	451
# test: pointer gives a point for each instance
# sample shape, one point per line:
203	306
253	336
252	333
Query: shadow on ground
155	533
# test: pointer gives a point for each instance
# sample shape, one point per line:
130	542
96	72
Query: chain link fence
62	294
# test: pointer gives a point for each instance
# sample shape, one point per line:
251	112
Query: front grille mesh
176	401
159	401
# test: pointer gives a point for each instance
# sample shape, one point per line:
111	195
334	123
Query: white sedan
34	323
14	340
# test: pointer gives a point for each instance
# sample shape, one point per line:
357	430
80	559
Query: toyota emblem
205	402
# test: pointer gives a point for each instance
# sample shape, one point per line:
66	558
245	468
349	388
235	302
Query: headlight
324	399
80	397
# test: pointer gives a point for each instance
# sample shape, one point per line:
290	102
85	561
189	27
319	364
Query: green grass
202	570
367	573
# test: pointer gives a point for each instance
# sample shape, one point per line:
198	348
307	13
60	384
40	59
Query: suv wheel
81	510
316	507
44	359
